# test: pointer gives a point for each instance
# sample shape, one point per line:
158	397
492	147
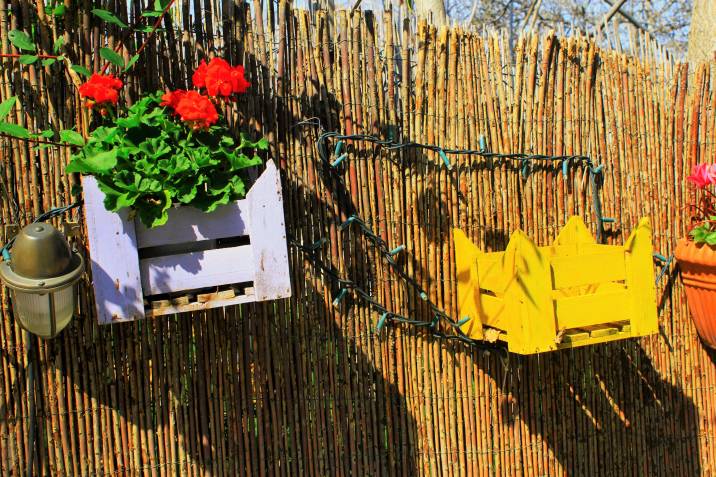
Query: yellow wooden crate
572	293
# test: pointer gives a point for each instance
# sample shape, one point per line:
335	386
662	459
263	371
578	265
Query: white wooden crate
236	254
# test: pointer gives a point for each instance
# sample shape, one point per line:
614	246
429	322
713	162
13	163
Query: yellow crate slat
571	293
490	275
640	279
468	291
595	340
588	268
495	311
594	309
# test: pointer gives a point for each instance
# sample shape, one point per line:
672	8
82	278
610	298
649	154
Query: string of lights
334	157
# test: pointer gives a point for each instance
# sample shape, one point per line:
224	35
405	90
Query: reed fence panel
300	386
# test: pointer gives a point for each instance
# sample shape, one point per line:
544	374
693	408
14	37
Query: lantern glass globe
35	312
42	274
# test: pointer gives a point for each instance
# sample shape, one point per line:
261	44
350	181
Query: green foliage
72	137
109	17
14	130
113	57
6	107
148	160
705	232
57	46
46	134
81	70
27	59
21	41
131	62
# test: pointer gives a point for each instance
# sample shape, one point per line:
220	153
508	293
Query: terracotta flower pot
698	274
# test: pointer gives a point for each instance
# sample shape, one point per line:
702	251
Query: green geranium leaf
81	70
242	161
47	134
699	233
711	238
57	45
14	130
155	212
131	62
6	107
246	142
114	202
113	57
98	163
59	10
109	17
148	29
27	59
72	137
20	40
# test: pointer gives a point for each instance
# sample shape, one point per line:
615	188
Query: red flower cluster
193	108
220	78
101	90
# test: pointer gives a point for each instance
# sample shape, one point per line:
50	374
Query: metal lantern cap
42	261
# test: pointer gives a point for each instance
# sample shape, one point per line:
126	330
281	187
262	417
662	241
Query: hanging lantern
41	275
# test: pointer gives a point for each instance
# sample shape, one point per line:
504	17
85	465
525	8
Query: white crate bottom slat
236	254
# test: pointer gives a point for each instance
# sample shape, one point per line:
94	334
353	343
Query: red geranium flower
196	110
199	77
220	78
101	90
171	98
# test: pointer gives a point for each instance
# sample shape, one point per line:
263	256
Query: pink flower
703	175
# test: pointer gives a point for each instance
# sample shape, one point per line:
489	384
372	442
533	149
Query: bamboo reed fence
299	386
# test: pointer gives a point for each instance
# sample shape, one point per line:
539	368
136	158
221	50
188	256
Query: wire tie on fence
318	244
348	222
525	168
397	250
659	257
5	254
381	322
598	169
667	262
483	144
464	320
340	296
445	159
339	159
435	321
424	296
565	166
339	148
608	220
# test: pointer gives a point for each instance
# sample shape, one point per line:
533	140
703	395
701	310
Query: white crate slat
122	279
270	252
113	259
197	306
190	224
189	271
